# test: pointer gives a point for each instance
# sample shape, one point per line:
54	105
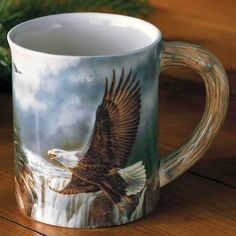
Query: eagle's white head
67	159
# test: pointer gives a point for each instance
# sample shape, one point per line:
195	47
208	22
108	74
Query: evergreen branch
13	12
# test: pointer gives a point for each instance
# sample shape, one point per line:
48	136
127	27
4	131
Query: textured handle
217	92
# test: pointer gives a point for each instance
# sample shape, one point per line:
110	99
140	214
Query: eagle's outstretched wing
75	186
117	120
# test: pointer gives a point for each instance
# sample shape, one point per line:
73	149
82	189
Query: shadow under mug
85	100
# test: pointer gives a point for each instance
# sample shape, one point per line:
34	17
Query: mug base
105	225
94	212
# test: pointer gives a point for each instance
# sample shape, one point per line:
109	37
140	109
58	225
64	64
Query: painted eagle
97	167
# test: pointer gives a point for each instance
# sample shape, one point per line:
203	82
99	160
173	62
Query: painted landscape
72	167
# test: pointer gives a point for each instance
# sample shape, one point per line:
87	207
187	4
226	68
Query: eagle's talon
128	199
117	121
54	190
121	206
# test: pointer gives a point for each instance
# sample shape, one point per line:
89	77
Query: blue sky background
56	99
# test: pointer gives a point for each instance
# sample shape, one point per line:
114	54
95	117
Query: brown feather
117	120
111	142
77	185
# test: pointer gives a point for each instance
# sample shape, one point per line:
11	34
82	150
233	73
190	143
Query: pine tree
13	12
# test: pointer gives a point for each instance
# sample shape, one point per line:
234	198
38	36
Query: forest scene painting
85	139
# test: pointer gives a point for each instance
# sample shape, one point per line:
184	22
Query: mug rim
155	30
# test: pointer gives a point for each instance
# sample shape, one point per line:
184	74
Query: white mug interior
84	34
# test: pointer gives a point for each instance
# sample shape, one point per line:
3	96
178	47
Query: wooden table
202	201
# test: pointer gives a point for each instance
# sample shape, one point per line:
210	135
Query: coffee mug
85	104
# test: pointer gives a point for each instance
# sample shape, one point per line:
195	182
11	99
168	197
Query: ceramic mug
85	95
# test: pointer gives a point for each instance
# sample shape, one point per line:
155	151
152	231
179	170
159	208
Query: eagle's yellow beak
52	155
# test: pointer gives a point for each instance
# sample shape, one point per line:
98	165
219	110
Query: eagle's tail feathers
135	177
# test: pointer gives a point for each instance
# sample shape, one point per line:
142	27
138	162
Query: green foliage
13	12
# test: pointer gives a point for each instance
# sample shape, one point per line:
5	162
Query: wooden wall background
212	24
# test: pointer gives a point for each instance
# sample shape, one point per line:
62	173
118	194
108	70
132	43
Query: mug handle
217	93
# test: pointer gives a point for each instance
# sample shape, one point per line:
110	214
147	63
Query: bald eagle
98	167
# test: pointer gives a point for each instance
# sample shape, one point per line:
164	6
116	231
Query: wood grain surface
11	228
181	107
202	201
208	23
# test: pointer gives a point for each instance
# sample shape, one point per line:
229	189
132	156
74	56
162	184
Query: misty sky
56	98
